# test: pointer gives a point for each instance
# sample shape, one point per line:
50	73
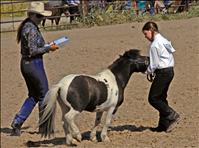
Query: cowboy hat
38	7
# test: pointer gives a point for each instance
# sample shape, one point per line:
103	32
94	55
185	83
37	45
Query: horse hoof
93	139
69	140
78	137
71	143
105	138
68	143
74	141
93	136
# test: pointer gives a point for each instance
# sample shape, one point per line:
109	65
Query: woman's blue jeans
35	77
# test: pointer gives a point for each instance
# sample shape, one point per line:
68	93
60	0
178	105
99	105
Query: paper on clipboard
60	41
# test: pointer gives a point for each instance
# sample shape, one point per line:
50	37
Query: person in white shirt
160	71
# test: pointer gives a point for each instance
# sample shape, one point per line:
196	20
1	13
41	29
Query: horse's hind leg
97	122
104	136
65	109
67	126
69	137
73	129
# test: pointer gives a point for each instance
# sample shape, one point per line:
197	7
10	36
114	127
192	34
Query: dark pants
37	84
158	95
152	9
74	12
35	77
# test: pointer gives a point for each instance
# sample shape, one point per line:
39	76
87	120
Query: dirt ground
90	51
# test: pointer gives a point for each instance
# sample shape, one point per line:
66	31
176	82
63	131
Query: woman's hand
53	47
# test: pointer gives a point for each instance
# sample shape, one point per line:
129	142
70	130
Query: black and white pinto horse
94	93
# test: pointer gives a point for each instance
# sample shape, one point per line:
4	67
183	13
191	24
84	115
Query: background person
141	6
32	49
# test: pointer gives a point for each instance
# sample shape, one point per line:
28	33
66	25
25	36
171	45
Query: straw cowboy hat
38	7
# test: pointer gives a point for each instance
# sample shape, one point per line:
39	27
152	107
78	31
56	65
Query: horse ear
132	53
135	51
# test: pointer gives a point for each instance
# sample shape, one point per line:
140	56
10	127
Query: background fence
13	12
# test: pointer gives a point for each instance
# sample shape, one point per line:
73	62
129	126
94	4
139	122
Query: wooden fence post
84	5
187	5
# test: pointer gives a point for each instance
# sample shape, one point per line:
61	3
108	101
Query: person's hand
150	77
53	47
145	72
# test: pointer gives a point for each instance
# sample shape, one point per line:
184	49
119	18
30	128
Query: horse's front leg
97	122
109	116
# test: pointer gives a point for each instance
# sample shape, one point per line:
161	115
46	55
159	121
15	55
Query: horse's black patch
105	80
85	93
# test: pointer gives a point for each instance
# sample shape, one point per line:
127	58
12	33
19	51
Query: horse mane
130	54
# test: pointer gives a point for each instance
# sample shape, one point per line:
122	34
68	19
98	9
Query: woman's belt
29	57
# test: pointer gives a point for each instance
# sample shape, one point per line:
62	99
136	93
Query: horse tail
47	118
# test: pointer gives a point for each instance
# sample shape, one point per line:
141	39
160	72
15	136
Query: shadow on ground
85	136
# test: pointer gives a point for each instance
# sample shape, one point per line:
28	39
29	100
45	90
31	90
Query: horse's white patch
64	85
108	78
70	118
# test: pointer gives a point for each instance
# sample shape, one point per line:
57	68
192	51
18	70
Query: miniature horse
94	93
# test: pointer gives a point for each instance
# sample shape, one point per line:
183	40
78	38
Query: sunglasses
39	16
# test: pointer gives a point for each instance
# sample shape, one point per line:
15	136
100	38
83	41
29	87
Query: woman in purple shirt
32	49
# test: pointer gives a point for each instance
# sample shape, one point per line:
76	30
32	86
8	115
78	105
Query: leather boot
22	115
16	129
173	122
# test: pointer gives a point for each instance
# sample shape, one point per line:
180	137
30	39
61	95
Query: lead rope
150	77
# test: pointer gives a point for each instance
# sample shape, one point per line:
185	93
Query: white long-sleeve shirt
160	53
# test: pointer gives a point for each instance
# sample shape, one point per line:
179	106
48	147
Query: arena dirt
90	51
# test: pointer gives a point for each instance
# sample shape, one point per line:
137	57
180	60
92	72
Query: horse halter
140	64
136	61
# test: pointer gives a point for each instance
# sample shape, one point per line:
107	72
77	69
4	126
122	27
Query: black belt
28	57
164	70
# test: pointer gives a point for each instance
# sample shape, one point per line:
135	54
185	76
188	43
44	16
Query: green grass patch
99	17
